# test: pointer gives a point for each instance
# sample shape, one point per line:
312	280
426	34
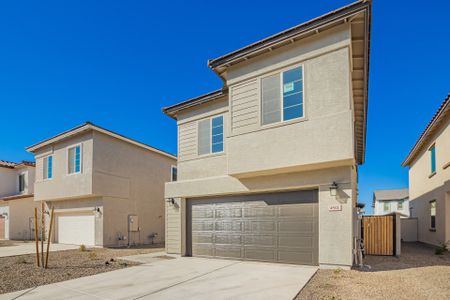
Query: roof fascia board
312	25
90	126
419	143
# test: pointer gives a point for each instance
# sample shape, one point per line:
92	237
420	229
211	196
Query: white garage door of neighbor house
76	230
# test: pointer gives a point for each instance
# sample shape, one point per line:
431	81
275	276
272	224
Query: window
433	159
282	96
48	167
433	214
173	173
400	205
21	182
74	159
386	206
210	135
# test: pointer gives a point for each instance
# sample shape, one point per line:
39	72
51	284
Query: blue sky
116	63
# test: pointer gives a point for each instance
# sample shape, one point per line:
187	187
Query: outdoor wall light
333	189
170	201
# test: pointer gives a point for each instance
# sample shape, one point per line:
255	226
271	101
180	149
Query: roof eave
419	143
89	126
289	34
172	111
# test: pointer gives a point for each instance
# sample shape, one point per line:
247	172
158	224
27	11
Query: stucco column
335	226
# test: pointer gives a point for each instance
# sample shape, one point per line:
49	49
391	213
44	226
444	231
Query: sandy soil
417	274
21	272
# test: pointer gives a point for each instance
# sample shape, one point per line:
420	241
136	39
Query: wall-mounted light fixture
333	189
170	201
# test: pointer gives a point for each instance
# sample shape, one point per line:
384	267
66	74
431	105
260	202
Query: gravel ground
20	272
417	274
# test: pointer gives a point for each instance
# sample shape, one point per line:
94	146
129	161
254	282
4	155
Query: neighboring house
390	201
268	164
429	178
107	189
16	200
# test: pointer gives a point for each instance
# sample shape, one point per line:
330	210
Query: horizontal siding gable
244	106
187	140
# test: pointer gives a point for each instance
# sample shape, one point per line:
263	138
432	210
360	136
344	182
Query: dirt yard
417	274
20	272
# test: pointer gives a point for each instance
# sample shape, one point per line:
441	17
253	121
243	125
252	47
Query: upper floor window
173	173
433	214
48	167
433	159
210	135
21	182
74	159
386	206
400	205
282	96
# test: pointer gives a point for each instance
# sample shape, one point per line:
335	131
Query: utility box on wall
133	223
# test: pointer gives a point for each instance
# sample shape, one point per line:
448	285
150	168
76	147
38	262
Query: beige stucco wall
20	211
8	182
117	177
424	188
131	180
409	229
335	228
64	185
310	153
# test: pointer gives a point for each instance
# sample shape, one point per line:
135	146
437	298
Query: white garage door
76	230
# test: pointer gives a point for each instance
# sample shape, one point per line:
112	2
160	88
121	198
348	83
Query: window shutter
204	137
271	99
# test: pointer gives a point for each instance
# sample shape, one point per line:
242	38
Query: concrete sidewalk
182	278
22	248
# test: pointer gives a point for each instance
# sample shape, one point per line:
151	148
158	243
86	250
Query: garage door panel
260	240
76	229
228	213
229	226
228	251
203	249
203	212
259	212
276	227
260	253
291	226
203	226
228	239
296	241
294	256
203	238
260	226
300	210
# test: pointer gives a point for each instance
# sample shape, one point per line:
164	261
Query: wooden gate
378	235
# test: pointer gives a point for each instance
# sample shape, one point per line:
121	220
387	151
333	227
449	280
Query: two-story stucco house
268	164
106	189
429	178
16	200
391	201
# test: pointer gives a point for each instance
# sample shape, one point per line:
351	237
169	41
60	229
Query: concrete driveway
182	278
20	248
